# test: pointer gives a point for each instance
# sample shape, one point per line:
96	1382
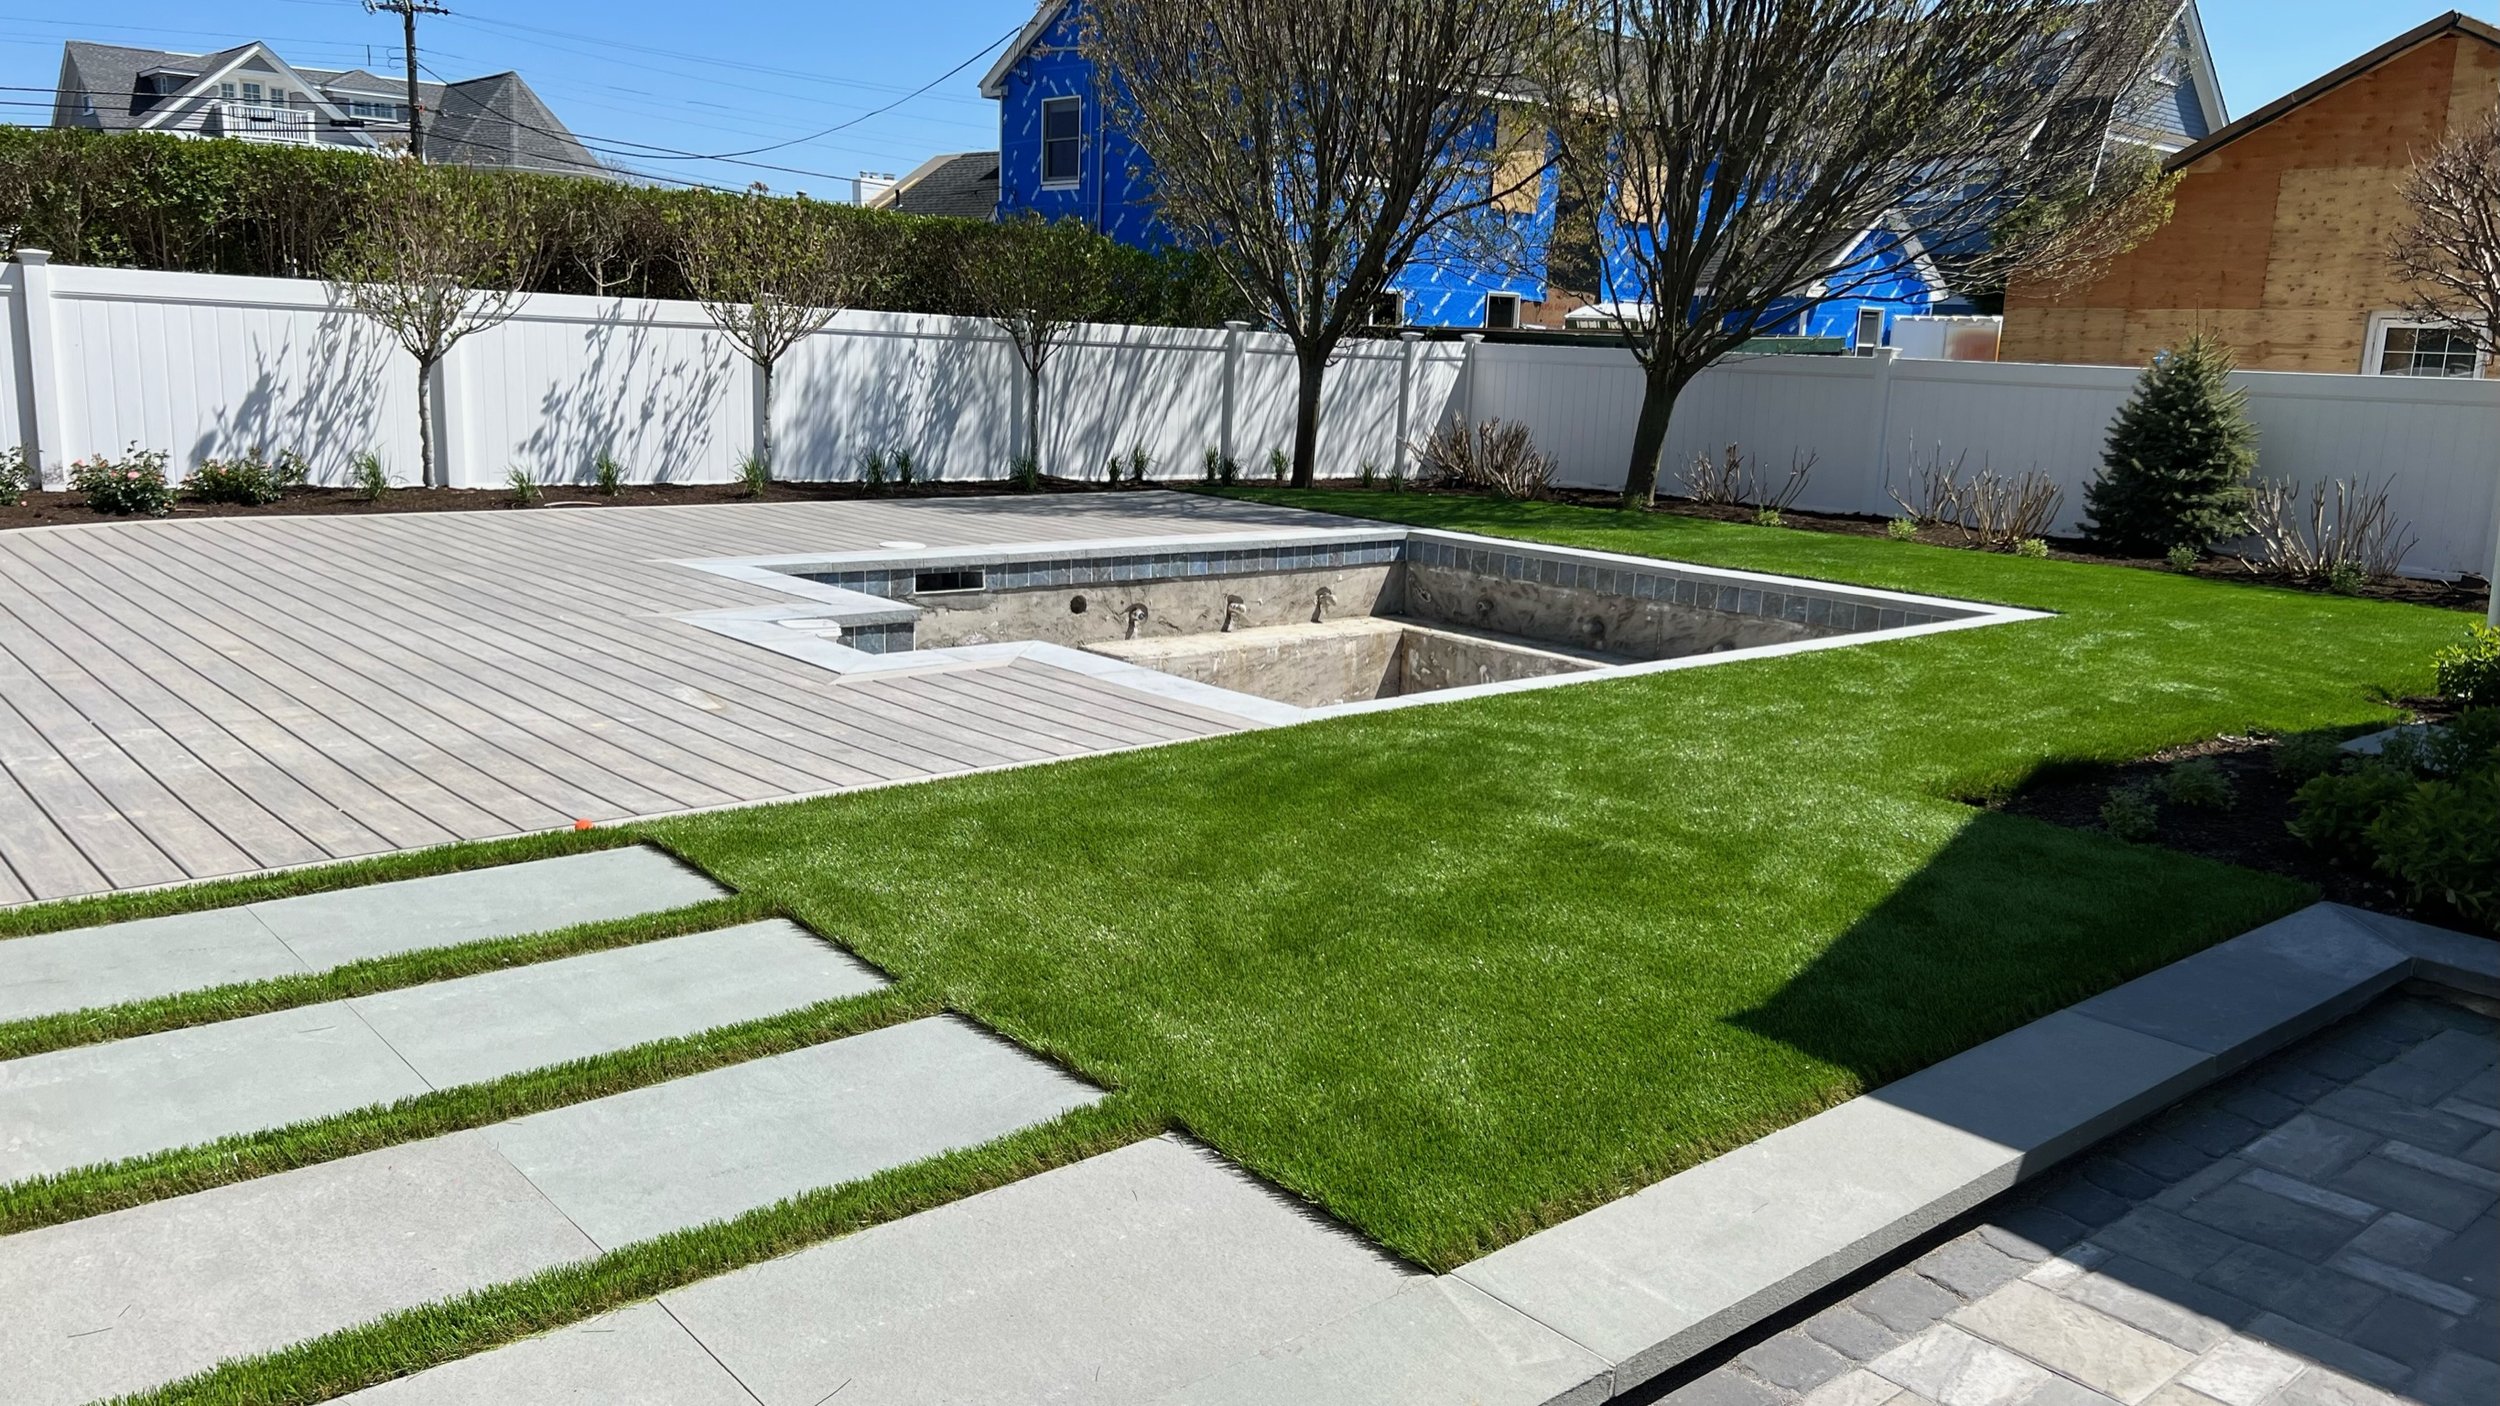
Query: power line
705	60
408	10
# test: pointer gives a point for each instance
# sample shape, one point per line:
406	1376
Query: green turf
1457	972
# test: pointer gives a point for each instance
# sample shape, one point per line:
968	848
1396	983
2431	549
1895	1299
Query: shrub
2184	557
2036	548
1766	517
2469	670
1368	474
1733	479
249	479
2464	743
2340	542
2306	754
1278	465
2200	784
906	472
872	469
2130	813
1997	511
1025	472
1901	529
2337	809
2175	472
14	478
132	484
2441	842
524	487
606	474
371	480
1139	461
754	475
1497	458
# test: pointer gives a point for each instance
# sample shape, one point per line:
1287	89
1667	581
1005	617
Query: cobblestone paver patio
2317	1231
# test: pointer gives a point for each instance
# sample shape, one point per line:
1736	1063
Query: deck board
191	698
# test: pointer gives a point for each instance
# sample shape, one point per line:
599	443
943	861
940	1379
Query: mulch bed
2251	833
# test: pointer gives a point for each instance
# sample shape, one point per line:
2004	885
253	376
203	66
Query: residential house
249	93
963	184
1059	159
2277	241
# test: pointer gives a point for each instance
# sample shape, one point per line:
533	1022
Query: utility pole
408	10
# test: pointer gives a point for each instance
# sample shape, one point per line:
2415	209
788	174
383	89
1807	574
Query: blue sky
708	78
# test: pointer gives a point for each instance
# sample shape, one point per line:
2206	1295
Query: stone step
99	1103
126	1301
1113	1281
101	966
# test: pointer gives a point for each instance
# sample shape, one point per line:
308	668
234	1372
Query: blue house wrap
1059	159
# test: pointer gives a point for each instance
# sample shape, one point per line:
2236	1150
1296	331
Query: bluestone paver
1434	1342
1111	1281
2261	990
722	1143
100	966
95	1103
637	1356
128	1300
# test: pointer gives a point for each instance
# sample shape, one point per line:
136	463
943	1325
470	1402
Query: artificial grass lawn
1457	972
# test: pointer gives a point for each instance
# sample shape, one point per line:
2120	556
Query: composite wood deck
188	699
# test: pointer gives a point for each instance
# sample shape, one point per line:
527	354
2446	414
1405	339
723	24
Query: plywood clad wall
2278	240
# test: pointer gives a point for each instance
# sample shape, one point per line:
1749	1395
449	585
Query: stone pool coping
816	633
1632	1289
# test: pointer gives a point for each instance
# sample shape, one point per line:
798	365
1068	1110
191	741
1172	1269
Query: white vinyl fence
96	360
198	365
1869	421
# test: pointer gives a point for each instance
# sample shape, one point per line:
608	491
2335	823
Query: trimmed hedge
150	201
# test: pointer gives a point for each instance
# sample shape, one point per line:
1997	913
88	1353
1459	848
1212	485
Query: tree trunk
1649	437
1314	368
425	424
764	415
1033	416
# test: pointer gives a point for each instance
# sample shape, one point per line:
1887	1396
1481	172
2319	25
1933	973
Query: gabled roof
994	82
498	121
2453	22
215	67
963	184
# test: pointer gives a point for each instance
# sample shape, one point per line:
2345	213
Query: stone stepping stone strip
1113	1280
85	967
125	1098
122	1302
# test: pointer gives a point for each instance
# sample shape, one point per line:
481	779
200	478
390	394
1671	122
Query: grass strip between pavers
26	920
91	1191
397	1344
96	1025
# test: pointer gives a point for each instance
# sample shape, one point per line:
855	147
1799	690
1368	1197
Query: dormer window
1062	140
251	92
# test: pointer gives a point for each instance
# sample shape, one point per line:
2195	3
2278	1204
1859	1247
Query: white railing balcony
263	122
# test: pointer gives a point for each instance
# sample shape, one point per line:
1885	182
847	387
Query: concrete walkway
87	967
125	1301
99	1103
187	699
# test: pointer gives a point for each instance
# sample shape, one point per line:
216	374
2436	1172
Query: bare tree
2448	249
441	252
1316	149
772	271
1771	155
1036	281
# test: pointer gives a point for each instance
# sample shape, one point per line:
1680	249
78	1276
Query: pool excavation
1281	627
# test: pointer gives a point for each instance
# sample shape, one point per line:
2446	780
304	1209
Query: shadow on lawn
2013	919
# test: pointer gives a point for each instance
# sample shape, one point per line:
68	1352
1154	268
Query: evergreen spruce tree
2175	472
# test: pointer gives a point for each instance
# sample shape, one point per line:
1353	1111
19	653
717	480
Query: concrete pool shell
1277	628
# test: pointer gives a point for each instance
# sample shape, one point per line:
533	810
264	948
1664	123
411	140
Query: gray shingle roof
492	121
963	184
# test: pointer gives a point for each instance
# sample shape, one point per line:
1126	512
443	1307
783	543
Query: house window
1062	137
226	91
1870	330
251	92
1389	309
2419	349
1501	310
